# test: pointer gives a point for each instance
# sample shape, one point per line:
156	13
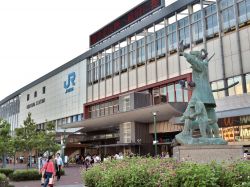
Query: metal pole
155	142
63	146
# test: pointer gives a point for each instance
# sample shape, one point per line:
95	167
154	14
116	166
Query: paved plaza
72	178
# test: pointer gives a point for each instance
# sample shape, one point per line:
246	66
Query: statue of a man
199	64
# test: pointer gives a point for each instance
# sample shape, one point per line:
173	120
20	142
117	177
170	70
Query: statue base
208	153
188	140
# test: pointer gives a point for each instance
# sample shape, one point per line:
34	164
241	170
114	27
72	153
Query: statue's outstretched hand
181	48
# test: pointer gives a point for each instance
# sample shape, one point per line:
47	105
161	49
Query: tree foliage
5	139
29	138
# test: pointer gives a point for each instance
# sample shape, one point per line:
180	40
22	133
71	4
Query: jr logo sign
70	83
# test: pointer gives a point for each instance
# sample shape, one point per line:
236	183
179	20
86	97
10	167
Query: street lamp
155	134
63	142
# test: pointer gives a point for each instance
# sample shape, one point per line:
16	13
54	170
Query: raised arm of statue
193	60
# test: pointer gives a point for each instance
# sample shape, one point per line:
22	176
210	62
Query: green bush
149	172
3	180
25	175
6	171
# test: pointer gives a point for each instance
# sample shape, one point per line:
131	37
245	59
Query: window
44	89
178	91
116	106
236	90
197	26
102	67
96	70
124	58
218	85
160	42
242	11
90	72
171	94
141	51
116	61
79	117
108	64
126	103
248	82
163	92
35	94
248	8
150	46
228	14
172	39
102	109
28	97
106	110
211	20
132	54
184	31
156	96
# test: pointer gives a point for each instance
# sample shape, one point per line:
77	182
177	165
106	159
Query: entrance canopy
142	115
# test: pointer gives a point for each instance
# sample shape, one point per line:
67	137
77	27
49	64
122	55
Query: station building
125	89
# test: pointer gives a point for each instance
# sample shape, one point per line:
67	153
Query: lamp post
63	145
155	134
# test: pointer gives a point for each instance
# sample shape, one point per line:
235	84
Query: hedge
3	180
6	171
26	175
149	172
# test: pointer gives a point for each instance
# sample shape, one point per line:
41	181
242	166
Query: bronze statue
200	113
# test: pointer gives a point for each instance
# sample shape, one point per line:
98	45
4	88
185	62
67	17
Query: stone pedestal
208	153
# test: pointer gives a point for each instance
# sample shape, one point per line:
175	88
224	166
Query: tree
5	140
47	139
28	136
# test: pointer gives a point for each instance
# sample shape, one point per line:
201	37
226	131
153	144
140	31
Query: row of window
154	44
64	121
172	92
35	93
104	109
235	90
169	93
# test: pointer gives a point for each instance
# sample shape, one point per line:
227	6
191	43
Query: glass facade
236	90
154	43
235	129
9	111
168	92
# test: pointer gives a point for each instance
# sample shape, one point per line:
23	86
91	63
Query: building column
244	86
221	33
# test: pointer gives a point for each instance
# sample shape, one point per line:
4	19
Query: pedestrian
66	160
59	165
49	172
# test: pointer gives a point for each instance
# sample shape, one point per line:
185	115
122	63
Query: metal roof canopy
168	11
142	115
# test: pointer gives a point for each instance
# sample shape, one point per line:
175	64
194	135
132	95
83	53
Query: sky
37	36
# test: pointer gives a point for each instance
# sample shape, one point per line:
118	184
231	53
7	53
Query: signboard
70	83
126	19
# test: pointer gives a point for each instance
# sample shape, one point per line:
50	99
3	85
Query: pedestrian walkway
72	178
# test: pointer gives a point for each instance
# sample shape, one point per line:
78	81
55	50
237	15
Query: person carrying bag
49	172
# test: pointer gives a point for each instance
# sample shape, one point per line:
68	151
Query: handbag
51	181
